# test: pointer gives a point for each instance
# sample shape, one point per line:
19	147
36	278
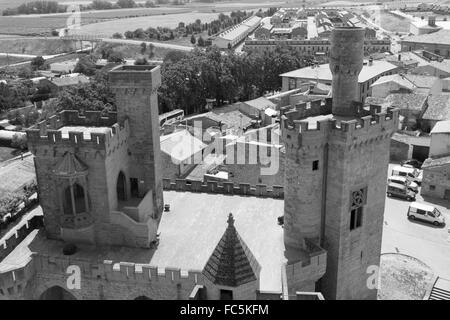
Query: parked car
400	191
409	172
405	181
426	213
412	162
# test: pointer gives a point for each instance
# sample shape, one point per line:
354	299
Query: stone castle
107	217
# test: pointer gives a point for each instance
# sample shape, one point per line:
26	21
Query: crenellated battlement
260	190
13	281
20	233
296	131
115	270
49	132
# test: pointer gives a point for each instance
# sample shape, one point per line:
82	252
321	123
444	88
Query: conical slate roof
231	263
70	166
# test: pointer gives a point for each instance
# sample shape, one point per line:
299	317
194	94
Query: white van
425	212
404	181
411	173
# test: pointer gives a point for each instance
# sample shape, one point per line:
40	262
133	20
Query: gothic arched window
74	199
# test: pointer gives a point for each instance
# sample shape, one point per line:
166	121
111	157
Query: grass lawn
10	60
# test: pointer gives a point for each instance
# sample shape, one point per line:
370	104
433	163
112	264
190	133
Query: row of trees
183	30
36	7
190	78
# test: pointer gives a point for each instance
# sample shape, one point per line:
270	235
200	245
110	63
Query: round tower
346	62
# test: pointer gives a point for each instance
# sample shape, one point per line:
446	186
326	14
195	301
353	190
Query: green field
107	28
11	60
393	23
7	153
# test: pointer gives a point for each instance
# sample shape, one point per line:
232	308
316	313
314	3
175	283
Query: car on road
400	191
411	162
405	181
424	212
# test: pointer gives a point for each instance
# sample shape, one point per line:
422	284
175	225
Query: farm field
30	26
11	60
132	18
7	153
108	28
393	23
15	3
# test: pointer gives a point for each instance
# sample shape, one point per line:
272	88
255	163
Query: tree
117	35
143	47
95	95
86	65
139	33
151	49
116	57
193	40
129	34
174	56
37	63
126	4
200	42
141	61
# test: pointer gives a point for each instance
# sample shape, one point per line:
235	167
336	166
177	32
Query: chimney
432	21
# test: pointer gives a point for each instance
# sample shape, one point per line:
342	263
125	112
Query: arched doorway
142	298
121	187
56	293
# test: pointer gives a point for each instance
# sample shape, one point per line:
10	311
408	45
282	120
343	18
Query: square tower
335	177
98	176
136	90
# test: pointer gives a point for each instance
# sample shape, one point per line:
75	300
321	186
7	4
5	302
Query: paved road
423	241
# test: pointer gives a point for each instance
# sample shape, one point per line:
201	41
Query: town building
311	47
232	36
406	83
436	42
180	152
438	109
440	69
436	169
57	84
371	71
419	27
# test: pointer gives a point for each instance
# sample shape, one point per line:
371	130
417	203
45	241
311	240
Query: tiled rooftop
438	108
439	37
323	72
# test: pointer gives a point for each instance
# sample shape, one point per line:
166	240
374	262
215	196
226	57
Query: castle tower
346	62
137	100
98	176
335	175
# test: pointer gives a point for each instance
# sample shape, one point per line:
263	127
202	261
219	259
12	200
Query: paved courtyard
420	240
